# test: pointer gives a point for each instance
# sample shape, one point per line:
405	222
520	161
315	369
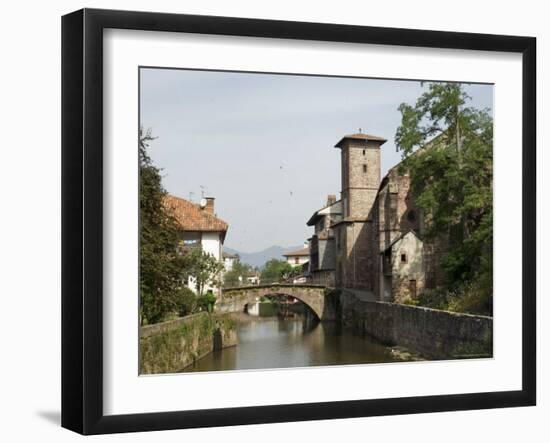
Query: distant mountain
258	259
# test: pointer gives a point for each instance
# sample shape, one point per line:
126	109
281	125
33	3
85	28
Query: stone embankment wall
433	333
173	345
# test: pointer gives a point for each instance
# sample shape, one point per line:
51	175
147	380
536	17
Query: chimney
209	205
331	199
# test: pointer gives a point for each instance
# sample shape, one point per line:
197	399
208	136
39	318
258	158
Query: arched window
411	215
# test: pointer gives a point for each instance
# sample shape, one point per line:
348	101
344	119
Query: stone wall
171	346
407	276
354	261
324	278
432	333
362	177
326	254
395	211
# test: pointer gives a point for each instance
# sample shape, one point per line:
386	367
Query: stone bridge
314	296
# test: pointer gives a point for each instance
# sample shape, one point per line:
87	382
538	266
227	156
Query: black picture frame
82	219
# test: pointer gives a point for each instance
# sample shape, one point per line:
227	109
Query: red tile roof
298	253
191	217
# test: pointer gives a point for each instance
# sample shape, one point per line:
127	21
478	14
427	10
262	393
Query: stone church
379	245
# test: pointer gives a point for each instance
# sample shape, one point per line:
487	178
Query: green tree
160	265
237	275
207	301
203	267
447	148
187	302
276	270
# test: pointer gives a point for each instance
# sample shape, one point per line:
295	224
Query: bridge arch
235	299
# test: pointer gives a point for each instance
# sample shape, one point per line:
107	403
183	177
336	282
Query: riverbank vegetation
237	275
163	265
273	271
447	149
278	271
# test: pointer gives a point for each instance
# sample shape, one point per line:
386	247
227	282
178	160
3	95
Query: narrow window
364	152
403	258
296	261
364	169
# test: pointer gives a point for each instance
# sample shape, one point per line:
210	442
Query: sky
263	145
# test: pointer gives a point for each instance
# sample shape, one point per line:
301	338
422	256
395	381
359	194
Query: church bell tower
360	160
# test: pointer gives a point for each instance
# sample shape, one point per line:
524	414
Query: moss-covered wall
173	345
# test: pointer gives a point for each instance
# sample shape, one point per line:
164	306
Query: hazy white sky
263	145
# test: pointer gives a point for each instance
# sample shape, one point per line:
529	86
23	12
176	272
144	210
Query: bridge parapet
274	285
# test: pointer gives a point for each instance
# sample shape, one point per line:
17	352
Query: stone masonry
380	240
355	233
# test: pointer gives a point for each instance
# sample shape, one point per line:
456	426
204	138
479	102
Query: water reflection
292	342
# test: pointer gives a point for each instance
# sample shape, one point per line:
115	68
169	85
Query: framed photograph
269	221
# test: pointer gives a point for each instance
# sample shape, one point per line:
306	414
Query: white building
200	228
228	260
298	257
253	278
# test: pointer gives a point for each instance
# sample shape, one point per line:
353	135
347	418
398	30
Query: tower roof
360	136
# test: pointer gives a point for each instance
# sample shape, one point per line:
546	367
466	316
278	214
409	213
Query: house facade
252	278
199	228
228	260
415	261
322	247
299	257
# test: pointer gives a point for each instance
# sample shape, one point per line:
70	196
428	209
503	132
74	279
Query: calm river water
293	342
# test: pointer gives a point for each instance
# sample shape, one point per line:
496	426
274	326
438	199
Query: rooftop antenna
202	191
191	193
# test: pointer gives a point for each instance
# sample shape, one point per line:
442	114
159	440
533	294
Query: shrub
472	299
432	298
469	298
187	302
207	301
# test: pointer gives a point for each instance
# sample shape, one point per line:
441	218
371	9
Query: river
292	342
